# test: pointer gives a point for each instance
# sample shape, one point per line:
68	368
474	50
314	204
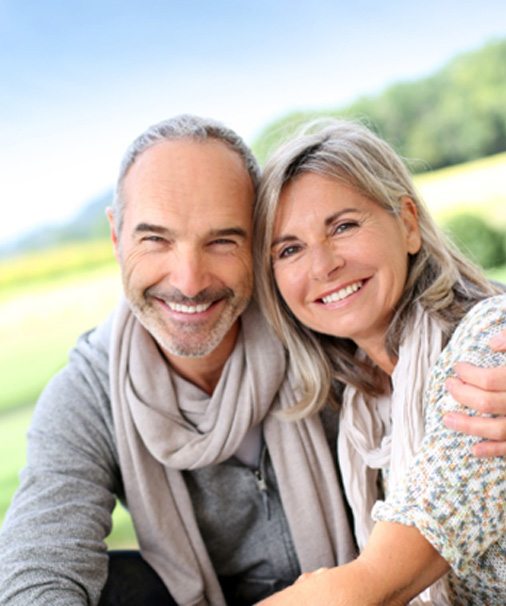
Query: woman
365	291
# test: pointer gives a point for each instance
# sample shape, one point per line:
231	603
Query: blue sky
80	79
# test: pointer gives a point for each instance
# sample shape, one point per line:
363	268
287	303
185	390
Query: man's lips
175	302
188	309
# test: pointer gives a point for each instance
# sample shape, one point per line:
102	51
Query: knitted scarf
155	441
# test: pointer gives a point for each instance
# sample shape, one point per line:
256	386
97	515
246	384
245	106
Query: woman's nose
324	261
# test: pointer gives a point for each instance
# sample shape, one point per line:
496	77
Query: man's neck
205	372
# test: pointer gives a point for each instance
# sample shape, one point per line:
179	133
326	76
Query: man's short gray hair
184	126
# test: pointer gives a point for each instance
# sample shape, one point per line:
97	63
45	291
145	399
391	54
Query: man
170	405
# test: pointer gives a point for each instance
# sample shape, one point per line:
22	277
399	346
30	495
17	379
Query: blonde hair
440	278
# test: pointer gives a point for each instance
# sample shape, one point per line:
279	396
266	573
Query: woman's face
340	260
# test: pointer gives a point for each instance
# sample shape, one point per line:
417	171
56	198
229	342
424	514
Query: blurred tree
477	239
455	115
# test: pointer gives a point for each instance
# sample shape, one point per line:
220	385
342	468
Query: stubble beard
189	340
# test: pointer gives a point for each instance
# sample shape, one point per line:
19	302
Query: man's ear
114	235
409	218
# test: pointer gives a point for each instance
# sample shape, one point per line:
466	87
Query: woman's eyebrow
282	240
328	221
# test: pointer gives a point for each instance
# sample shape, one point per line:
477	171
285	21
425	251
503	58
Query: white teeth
343	293
189	309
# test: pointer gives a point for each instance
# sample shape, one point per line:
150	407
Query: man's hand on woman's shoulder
484	390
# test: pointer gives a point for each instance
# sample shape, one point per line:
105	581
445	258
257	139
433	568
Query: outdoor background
81	79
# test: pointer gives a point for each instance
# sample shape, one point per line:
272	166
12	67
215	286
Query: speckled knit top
456	500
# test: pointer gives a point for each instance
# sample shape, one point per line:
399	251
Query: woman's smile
341	293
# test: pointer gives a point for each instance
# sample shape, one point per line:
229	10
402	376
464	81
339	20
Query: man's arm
52	547
484	390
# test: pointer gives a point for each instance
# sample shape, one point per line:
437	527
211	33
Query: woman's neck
377	352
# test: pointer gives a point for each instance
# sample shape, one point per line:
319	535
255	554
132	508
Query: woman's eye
343	227
288	251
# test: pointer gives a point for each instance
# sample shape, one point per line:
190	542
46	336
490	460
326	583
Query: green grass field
39	324
477	187
45	306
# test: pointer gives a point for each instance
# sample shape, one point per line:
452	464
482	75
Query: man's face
185	245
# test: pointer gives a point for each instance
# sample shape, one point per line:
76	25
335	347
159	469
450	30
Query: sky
79	80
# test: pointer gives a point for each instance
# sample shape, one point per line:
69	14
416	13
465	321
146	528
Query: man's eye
155	239
222	242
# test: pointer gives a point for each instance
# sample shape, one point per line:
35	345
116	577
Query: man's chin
187	350
190	344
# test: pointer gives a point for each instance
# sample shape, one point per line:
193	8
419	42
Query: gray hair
184	126
440	278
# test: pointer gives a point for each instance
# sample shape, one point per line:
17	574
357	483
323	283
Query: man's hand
484	390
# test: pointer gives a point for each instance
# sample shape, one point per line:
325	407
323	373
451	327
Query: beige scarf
155	441
385	433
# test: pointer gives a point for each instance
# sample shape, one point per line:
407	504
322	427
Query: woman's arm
483	390
456	500
396	565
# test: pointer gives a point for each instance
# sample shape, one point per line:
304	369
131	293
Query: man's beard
192	339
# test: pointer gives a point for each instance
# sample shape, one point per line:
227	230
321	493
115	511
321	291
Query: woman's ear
409	218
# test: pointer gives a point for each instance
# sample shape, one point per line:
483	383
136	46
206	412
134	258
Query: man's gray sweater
52	549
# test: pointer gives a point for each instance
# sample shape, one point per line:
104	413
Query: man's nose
189	272
325	260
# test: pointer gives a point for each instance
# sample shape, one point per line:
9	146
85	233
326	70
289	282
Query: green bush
477	239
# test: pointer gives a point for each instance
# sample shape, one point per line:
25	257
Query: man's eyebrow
151	227
228	231
213	233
